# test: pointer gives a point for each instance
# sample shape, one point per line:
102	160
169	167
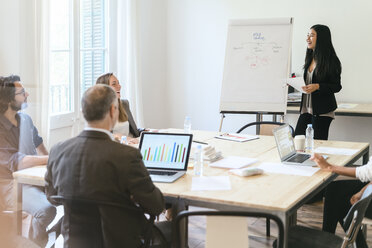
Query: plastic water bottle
198	161
309	140
187	125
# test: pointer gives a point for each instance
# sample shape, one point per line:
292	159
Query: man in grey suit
92	166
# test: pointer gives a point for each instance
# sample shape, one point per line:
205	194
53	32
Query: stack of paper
209	152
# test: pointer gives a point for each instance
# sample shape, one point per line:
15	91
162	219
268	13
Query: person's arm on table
323	164
31	161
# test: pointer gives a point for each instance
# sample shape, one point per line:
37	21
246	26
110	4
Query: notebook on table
286	148
165	155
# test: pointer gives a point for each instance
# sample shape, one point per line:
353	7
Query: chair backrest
354	217
82	219
186	214
265	127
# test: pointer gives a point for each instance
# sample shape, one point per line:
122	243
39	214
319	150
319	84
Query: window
92	41
78	51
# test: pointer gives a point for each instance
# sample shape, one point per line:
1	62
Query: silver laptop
165	155
286	148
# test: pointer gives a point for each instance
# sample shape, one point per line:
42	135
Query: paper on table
347	105
211	183
297	83
236	137
336	151
280	168
233	162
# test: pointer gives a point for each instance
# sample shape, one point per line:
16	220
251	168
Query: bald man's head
97	101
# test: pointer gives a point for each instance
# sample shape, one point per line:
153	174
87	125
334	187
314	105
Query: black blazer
323	99
91	166
132	124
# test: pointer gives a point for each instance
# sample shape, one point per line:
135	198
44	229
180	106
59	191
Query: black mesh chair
184	216
83	225
305	237
265	127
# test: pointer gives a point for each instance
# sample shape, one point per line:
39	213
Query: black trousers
337	205
320	125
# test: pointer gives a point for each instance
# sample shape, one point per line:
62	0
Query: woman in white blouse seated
126	125
340	195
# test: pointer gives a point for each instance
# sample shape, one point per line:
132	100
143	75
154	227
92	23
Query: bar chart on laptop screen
165	151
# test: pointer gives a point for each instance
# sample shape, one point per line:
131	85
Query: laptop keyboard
163	173
299	158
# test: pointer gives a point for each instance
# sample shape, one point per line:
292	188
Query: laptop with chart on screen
165	155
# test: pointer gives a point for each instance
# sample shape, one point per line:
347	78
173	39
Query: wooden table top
267	191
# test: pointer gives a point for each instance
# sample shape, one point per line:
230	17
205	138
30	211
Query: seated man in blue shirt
21	147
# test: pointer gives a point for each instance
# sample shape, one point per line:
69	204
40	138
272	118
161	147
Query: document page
233	162
236	137
211	183
336	151
298	170
297	83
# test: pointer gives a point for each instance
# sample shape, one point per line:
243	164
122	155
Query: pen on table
199	142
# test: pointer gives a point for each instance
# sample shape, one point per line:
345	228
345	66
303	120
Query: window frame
74	118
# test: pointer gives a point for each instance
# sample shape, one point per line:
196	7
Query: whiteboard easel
257	63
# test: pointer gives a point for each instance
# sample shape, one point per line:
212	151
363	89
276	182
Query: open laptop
286	148
165	155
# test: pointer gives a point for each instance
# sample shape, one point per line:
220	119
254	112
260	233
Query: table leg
18	207
176	208
366	157
286	223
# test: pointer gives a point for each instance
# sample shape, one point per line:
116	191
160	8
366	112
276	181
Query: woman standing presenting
322	75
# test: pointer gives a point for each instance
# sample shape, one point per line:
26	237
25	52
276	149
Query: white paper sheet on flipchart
279	168
210	183
297	83
336	151
233	162
347	105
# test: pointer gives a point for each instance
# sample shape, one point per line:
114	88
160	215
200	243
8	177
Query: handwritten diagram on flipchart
256	62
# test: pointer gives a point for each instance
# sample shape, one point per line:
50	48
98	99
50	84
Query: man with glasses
21	147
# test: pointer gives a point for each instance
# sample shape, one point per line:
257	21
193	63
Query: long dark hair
324	54
105	79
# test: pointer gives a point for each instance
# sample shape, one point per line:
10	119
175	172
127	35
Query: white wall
17	47
10	34
196	38
152	64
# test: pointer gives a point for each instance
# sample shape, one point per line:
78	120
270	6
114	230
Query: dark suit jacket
132	124
324	100
92	166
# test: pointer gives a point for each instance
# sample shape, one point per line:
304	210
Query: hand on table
321	162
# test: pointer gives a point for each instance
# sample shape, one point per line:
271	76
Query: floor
308	215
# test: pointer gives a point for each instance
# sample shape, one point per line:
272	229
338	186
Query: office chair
83	226
305	237
184	215
265	127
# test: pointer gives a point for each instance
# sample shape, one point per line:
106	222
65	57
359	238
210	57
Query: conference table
278	194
